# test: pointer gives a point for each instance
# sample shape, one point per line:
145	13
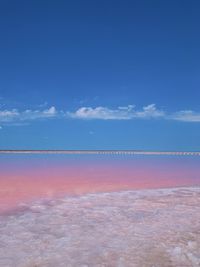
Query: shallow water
99	211
25	178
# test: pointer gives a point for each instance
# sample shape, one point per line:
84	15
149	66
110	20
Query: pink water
25	178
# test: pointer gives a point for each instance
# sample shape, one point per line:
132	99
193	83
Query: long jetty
100	152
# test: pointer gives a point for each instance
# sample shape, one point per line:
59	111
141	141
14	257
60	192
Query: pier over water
99	152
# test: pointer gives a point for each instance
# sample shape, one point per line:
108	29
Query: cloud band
129	112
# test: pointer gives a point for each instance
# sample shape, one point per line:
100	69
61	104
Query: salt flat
145	228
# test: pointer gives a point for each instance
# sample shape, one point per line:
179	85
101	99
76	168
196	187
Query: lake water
25	178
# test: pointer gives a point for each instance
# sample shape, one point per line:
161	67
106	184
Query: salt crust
147	228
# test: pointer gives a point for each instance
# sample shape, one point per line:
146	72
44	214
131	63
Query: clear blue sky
69	71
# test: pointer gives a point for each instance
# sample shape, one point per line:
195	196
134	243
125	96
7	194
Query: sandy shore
146	228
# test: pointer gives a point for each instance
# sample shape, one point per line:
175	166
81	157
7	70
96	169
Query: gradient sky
100	74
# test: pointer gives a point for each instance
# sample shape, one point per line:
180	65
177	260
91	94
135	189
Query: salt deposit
147	228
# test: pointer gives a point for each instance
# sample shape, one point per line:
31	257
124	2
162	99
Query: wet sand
142	228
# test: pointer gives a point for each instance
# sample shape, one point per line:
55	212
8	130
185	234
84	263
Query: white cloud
9	116
102	113
129	112
120	113
37	114
150	111
51	111
187	116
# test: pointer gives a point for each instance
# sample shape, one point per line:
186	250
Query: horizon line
98	151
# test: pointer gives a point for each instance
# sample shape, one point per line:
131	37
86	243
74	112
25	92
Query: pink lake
26	178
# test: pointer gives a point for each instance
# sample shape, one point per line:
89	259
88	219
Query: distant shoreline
98	152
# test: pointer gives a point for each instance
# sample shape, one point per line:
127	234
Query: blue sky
100	75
